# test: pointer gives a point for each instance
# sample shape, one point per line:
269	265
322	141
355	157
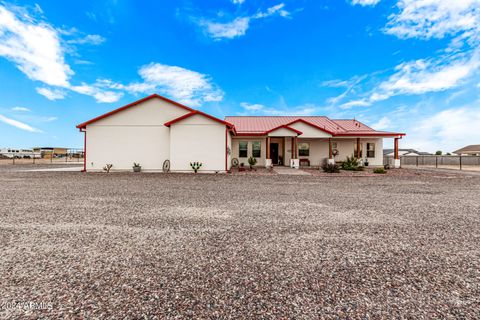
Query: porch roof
261	125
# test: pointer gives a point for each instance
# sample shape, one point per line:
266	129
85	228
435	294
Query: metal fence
445	162
33	160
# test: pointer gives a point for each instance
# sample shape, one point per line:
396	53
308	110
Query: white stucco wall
282	132
263	150
197	138
308	131
136	134
345	147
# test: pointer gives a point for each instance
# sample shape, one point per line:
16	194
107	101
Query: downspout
226	149
84	149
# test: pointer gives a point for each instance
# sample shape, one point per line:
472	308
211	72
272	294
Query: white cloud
426	19
260	109
229	30
356	103
382	124
239	26
51	94
446	130
252	107
238	1
34	47
277	9
422	76
91	39
18	124
107	96
98	92
365	2
48	119
435	18
20	109
183	85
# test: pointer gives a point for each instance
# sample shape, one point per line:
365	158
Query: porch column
359	152
330	151
294	162
295	147
268	161
395	154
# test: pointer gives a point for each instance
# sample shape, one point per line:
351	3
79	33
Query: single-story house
155	129
405	152
471	150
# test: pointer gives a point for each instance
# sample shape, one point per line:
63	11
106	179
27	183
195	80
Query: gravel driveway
125	245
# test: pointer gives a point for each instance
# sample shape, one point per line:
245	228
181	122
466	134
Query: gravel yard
129	245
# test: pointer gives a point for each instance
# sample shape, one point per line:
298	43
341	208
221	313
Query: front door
274	152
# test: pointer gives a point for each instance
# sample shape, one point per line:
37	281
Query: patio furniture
304	162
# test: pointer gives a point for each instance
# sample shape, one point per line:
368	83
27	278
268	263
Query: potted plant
365	163
242	167
252	161
137	167
195	166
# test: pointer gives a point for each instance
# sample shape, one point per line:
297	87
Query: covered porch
296	151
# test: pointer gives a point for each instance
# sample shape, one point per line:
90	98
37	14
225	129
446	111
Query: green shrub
330	167
351	164
379	170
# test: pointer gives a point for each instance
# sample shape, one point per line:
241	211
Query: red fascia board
311	124
370	134
83	125
195	112
284	127
253	134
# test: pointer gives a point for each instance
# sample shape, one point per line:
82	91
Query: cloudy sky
400	65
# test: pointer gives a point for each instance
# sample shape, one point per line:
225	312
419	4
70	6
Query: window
370	150
243	149
256	149
303	149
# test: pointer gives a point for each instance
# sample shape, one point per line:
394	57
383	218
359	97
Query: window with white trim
370	150
304	149
256	149
243	149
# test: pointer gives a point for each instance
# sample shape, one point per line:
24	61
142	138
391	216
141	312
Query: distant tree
438	153
449	154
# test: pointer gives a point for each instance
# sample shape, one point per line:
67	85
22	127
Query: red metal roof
257	125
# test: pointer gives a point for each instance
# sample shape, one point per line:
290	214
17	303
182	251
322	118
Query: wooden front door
274	152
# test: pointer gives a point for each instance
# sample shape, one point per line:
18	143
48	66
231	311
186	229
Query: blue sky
400	65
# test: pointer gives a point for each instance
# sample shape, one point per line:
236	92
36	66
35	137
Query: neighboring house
154	129
471	150
49	152
18	153
405	152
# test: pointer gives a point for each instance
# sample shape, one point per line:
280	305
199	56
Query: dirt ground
97	245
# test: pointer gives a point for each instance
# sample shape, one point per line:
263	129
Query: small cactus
107	167
195	166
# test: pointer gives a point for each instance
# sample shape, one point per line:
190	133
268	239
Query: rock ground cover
129	245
